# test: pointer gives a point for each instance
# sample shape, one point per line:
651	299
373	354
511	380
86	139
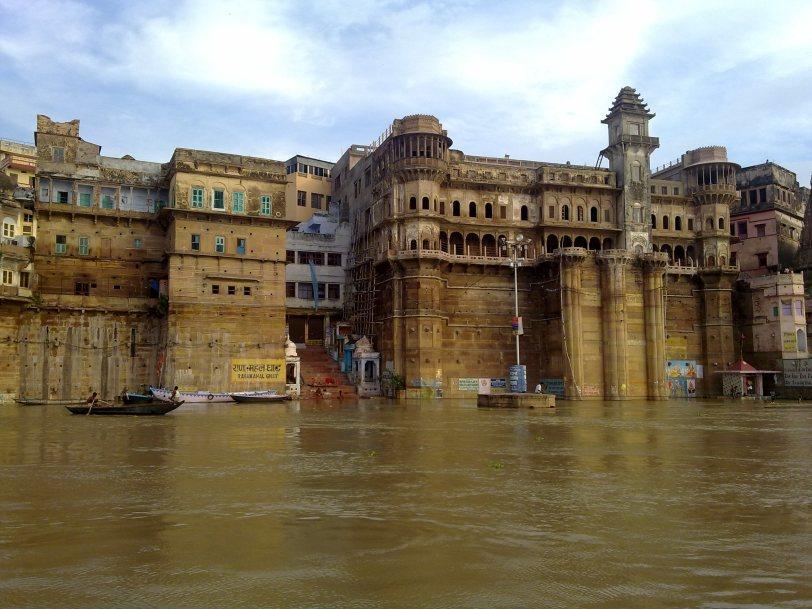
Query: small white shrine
293	386
366	368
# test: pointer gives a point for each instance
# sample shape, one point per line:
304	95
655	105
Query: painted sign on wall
676	347
798	372
471	384
257	369
681	376
554	386
789	341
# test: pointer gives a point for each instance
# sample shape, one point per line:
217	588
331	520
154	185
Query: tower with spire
629	153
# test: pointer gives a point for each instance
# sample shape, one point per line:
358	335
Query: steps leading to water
320	372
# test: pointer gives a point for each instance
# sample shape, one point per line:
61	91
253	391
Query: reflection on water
383	505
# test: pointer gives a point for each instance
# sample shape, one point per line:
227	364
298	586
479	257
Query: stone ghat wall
442	323
64	354
204	341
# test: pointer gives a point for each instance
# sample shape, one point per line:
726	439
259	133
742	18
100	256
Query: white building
314	277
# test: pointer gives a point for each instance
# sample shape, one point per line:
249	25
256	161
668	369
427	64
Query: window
455	208
61	244
799	307
29	218
472	210
84	199
524	213
565	212
232	290
238	202
367	176
442	207
665	223
220	244
690	224
333	259
663	190
315	200
8	277
265	205
305	291
8	229
290	289
81	288
290	256
196	243
412	202
678	223
246	291
634	128
775	311
733	258
636	172
240	245
762	259
762	195
653	221
316	258
215	289
197	197
425	203
301	198
321	290
786	307
84	246
551	212
741	228
58	154
721	224
676	190
137	243
761	230
503	212
218	200
594	216
637	214
25	279
333	291
62	196
580	214
107	202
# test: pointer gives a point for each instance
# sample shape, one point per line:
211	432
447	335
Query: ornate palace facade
627	268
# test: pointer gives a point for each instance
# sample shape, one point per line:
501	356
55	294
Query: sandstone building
168	273
628	269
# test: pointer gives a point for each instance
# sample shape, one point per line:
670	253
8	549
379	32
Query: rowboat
156	407
258	396
193	397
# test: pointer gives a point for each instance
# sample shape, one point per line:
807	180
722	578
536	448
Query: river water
439	504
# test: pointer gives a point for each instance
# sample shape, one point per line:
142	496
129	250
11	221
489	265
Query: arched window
679	254
472	210
580	242
711	261
489	246
653	221
709	223
489	210
667	249
690	256
665	223
472	245
565	212
426	203
721	223
801	339
413	244
456	243
607	243
435	203
426	244
525	214
595	244
413	203
566	241
442	208
552	244
580	214
443	241
678	223
593	216
455	208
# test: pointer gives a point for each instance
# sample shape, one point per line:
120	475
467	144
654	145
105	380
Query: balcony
14	292
644	140
17	248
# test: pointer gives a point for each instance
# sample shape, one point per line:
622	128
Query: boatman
94	397
174	395
538	388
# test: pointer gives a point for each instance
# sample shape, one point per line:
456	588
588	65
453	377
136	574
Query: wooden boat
258	396
193	397
156	407
137	398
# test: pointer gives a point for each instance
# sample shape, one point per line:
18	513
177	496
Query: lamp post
516	249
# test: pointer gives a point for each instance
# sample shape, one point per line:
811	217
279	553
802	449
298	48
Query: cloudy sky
529	79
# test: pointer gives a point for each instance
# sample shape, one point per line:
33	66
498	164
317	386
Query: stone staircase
320	372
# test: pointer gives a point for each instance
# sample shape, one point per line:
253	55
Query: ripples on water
426	505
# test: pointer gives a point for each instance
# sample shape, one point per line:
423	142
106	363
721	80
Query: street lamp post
516	249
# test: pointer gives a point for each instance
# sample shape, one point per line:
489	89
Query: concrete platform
516	400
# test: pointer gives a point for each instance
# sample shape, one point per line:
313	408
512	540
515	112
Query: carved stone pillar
654	310
615	341
571	260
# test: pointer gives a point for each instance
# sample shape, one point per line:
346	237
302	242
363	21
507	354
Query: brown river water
433	504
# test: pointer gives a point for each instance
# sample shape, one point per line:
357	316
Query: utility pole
516	249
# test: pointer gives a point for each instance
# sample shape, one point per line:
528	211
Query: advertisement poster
798	372
468	384
789	342
681	376
554	386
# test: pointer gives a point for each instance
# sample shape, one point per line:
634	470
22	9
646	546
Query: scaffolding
359	304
